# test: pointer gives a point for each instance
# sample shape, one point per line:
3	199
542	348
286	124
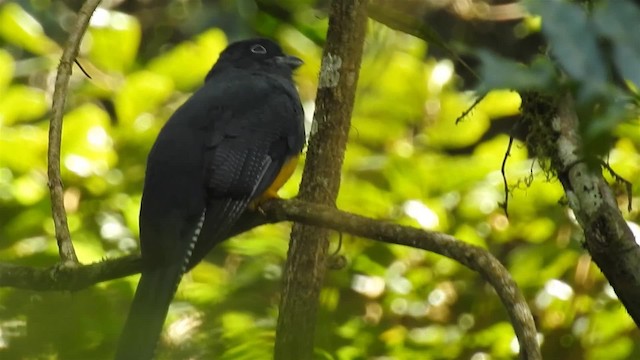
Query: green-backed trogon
231	145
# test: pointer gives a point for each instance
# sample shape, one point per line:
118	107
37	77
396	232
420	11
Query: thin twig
69	54
505	205
339	247
470	108
619	179
82	69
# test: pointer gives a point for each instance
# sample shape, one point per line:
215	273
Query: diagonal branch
607	236
473	257
69	54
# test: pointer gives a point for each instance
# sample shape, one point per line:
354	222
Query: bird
225	151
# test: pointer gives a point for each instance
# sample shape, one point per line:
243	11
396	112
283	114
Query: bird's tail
148	311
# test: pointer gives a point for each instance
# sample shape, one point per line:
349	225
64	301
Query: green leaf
573	43
143	91
87	142
188	63
28	137
22	103
618	21
20	28
597	131
500	103
29	189
113	39
498	72
468	132
7	66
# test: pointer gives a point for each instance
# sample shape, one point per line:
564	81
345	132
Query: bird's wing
244	160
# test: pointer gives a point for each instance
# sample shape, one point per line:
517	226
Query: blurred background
407	162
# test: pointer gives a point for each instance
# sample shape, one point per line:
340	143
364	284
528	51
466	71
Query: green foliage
18	27
604	79
195	58
112	30
407	162
573	43
617	23
498	72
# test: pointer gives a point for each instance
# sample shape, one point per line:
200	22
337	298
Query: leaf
573	43
22	103
439	134
113	40
28	137
618	22
143	91
498	72
20	28
87	141
188	63
29	189
7	67
601	122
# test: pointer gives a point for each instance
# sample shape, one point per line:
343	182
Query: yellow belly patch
272	191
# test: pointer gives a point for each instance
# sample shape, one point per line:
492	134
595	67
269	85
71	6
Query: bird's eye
258	49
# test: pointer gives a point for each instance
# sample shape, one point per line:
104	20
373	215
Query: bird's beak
291	61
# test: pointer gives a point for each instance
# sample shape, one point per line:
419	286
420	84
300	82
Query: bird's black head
256	55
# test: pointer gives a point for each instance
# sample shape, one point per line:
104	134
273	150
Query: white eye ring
258	49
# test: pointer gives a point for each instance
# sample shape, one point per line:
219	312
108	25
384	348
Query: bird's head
257	55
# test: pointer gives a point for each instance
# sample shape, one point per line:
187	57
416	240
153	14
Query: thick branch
69	54
305	267
475	258
608	238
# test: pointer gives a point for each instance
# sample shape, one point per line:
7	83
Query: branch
608	238
69	54
57	278
473	257
306	260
